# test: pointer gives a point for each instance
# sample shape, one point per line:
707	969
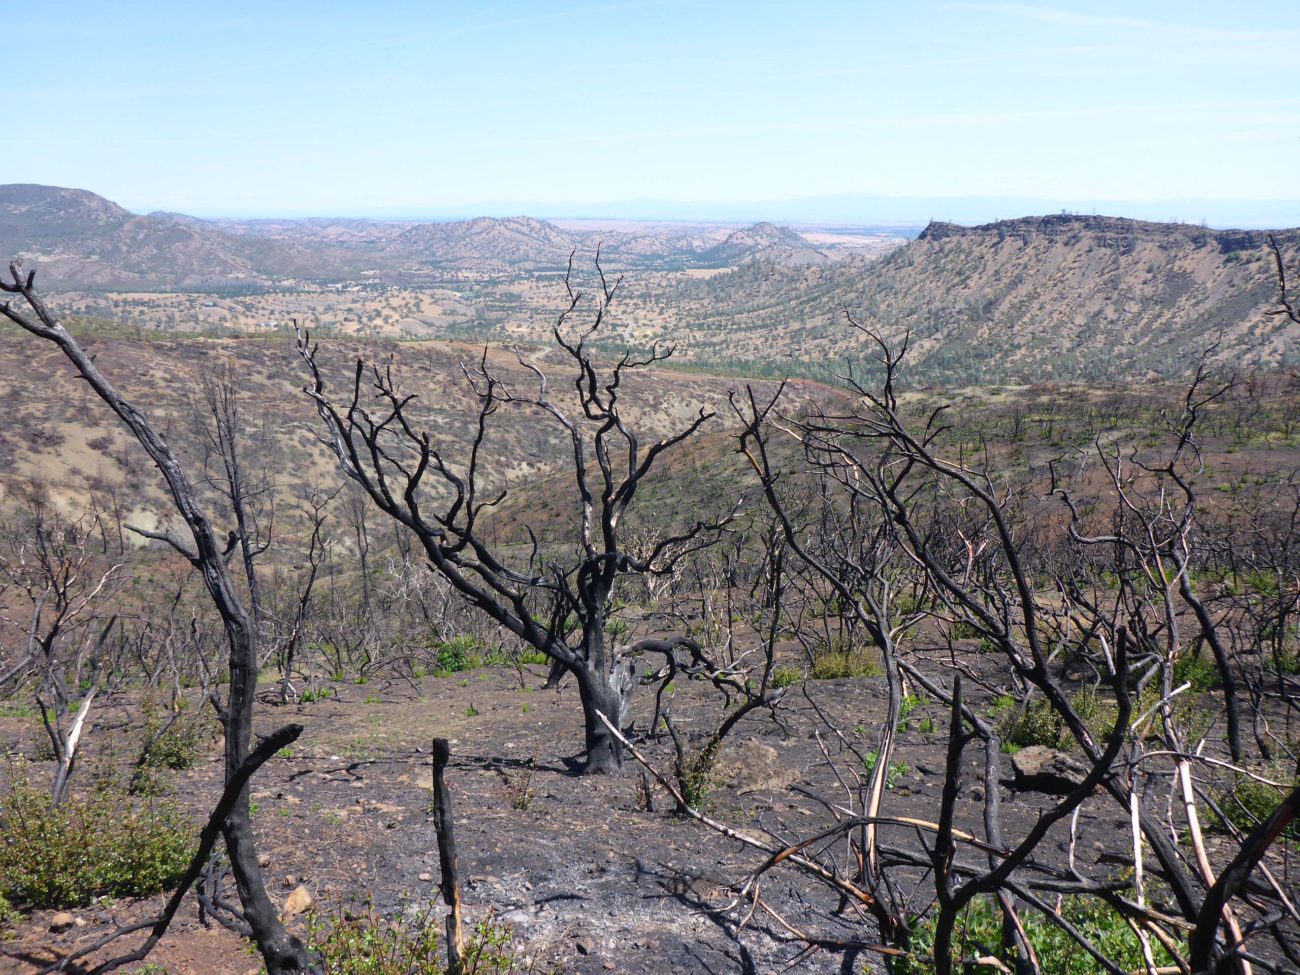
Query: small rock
62	921
756	767
290	880
297	902
1042	769
583	945
426	877
264	860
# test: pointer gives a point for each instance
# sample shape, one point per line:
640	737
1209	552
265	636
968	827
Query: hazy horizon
848	210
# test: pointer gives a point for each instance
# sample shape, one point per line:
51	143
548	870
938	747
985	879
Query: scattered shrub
457	654
519	787
1038	724
846	663
9	916
785	677
695	774
896	769
1247	802
1198	670
464	654
978	933
963	630
103	843
363	942
172	743
1097	711
907	705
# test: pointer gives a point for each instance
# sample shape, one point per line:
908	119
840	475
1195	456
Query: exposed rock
1042	769
297	902
752	766
62	921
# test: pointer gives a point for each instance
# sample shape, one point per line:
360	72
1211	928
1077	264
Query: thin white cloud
1164	28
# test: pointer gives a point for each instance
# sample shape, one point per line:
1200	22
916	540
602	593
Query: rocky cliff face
1082	295
1113	232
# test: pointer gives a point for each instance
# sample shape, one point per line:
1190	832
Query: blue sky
368	108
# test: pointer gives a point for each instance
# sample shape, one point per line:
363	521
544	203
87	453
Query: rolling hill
85	242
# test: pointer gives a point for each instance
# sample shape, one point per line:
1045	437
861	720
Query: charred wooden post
450	883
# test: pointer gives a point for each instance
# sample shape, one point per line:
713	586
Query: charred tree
205	551
559	601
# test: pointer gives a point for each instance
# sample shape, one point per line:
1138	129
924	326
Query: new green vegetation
102	843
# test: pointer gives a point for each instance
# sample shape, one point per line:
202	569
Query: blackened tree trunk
282	952
604	687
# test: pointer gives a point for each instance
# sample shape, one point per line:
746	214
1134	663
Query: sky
385	108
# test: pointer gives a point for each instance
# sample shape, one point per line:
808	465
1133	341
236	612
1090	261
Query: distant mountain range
1055	296
877	210
83	241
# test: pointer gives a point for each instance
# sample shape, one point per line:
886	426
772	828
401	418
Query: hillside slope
81	240
1035	298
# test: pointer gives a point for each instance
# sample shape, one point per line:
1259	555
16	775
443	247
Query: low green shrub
464	653
908	704
1038	724
1198	670
173	744
1247	802
101	844
9	916
895	771
785	677
837	664
978	933
454	655
963	630
1041	724
695	776
352	941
